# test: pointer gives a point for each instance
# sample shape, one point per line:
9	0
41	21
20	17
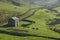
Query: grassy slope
57	26
40	17
5	6
58	9
8	10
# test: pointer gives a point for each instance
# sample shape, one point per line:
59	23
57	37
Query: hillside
20	3
43	2
46	3
36	22
9	10
39	28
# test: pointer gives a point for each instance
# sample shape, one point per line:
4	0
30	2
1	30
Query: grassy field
8	10
44	33
35	31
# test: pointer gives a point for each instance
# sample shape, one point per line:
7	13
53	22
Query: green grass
58	9
10	7
9	37
40	17
9	10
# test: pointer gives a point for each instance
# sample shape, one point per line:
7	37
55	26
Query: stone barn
14	21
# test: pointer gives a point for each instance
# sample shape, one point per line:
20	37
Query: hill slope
40	30
9	10
19	3
40	17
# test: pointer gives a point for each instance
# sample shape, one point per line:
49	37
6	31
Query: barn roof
15	18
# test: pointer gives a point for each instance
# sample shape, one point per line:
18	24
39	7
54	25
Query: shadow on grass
25	34
54	22
5	26
16	30
26	25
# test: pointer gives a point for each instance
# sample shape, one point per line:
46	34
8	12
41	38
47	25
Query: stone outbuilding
14	21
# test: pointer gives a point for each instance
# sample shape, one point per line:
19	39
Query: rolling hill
37	31
9	10
45	24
